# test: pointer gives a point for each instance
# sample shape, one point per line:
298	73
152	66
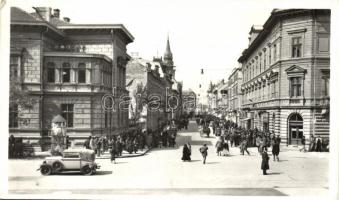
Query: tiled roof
22	16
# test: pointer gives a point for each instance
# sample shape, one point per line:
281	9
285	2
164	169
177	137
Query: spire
168	57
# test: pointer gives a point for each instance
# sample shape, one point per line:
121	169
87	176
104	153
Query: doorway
295	132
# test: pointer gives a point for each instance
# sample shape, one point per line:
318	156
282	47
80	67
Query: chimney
44	12
67	19
56	13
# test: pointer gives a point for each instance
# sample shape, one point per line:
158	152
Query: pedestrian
203	151
226	150
186	153
312	143
243	147
303	143
87	142
276	148
264	163
318	144
113	152
219	146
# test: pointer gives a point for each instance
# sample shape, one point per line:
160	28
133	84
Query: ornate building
286	73
66	69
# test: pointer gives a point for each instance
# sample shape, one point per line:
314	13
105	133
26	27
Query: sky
203	34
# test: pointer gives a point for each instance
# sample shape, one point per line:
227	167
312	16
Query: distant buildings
152	84
66	69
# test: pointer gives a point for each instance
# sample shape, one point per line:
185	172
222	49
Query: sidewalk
106	155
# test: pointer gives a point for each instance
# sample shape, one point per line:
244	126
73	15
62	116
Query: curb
126	156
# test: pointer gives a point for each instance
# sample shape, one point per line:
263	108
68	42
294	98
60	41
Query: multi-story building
286	73
154	81
189	101
147	84
234	95
66	69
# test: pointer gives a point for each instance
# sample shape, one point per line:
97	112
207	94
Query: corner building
286	73
67	68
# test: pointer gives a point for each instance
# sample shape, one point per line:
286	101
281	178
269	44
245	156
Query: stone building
189	101
147	84
286	73
155	82
66	69
234	95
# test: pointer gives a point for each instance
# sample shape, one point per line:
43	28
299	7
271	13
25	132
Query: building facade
286	73
66	69
147	84
234	95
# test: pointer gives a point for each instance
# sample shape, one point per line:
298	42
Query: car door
71	161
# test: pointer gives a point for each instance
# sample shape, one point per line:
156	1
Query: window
67	113
14	66
259	64
264	61
50	72
274	52
295	86
273	90
81	73
106	119
66	73
323	43
269	57
326	86
13	116
296	47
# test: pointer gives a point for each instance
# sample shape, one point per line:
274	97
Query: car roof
89	151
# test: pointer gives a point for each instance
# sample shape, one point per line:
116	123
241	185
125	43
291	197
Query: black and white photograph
169	99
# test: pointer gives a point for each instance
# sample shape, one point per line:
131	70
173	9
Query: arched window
50	72
66	72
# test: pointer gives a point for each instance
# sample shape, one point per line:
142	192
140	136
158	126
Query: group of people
229	133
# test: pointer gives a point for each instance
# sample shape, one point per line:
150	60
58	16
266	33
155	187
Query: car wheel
57	166
46	170
86	170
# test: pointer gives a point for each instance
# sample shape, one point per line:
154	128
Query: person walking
276	148
203	151
318	145
219	146
113	151
303	143
264	163
87	142
186	153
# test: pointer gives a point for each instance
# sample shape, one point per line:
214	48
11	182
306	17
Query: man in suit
203	151
264	163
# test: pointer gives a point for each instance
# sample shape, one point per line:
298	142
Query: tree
20	97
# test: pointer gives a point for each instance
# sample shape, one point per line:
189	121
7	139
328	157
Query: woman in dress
186	154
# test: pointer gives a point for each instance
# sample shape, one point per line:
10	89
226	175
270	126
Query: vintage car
71	160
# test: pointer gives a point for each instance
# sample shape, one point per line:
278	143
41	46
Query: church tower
168	61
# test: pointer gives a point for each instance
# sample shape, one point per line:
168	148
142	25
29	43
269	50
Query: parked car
71	160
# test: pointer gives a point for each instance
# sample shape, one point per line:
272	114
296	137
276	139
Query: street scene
159	102
166	173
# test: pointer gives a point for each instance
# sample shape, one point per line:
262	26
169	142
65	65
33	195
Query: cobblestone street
161	171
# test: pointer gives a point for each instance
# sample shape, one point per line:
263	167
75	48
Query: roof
276	15
89	151
69	26
21	17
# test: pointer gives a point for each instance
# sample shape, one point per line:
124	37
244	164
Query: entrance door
295	129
